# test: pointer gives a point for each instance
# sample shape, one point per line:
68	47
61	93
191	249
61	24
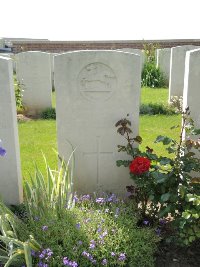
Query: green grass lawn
149	95
40	135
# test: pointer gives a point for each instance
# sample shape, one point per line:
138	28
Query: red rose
139	165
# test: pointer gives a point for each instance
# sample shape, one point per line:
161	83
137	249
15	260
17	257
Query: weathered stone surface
163	61
177	69
94	89
191	93
10	172
34	73
137	52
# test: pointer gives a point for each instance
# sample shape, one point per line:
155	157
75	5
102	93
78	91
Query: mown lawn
39	136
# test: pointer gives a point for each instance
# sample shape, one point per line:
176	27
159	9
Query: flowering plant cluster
166	186
98	231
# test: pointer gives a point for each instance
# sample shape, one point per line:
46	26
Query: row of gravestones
35	73
94	89
172	62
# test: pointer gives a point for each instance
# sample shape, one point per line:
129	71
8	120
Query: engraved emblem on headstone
97	81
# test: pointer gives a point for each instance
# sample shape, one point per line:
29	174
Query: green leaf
164	211
182	190
165	161
191	197
164	139
159	177
186	215
165	197
196	131
124	163
138	139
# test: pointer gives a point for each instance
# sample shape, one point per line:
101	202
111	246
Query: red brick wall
61	46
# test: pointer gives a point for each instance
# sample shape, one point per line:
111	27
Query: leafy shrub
176	102
166	186
152	76
157	108
18	95
49	113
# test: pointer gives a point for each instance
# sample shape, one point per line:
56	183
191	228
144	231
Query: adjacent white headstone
2	43
163	61
191	93
33	71
177	69
12	56
94	89
137	52
52	67
10	171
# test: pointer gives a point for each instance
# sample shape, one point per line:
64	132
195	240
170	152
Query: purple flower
80	242
99	230
78	225
122	257
100	200
46	253
145	222
113	254
85	198
88	256
112	198
49	252
158	231
67	262
2	151
41	264
162	221
92	244
75	198
44	227
104	262
33	253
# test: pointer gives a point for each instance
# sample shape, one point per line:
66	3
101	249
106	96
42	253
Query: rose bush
166	186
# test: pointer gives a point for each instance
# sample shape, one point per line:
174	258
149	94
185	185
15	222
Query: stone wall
61	46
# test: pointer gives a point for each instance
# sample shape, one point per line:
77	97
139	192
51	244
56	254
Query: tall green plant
18	94
16	244
151	74
51	193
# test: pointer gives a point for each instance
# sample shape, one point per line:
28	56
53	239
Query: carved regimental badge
97	81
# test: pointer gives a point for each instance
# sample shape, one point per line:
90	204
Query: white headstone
177	69
33	71
191	93
94	89
163	61
2	43
12	56
10	171
52	67
137	52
